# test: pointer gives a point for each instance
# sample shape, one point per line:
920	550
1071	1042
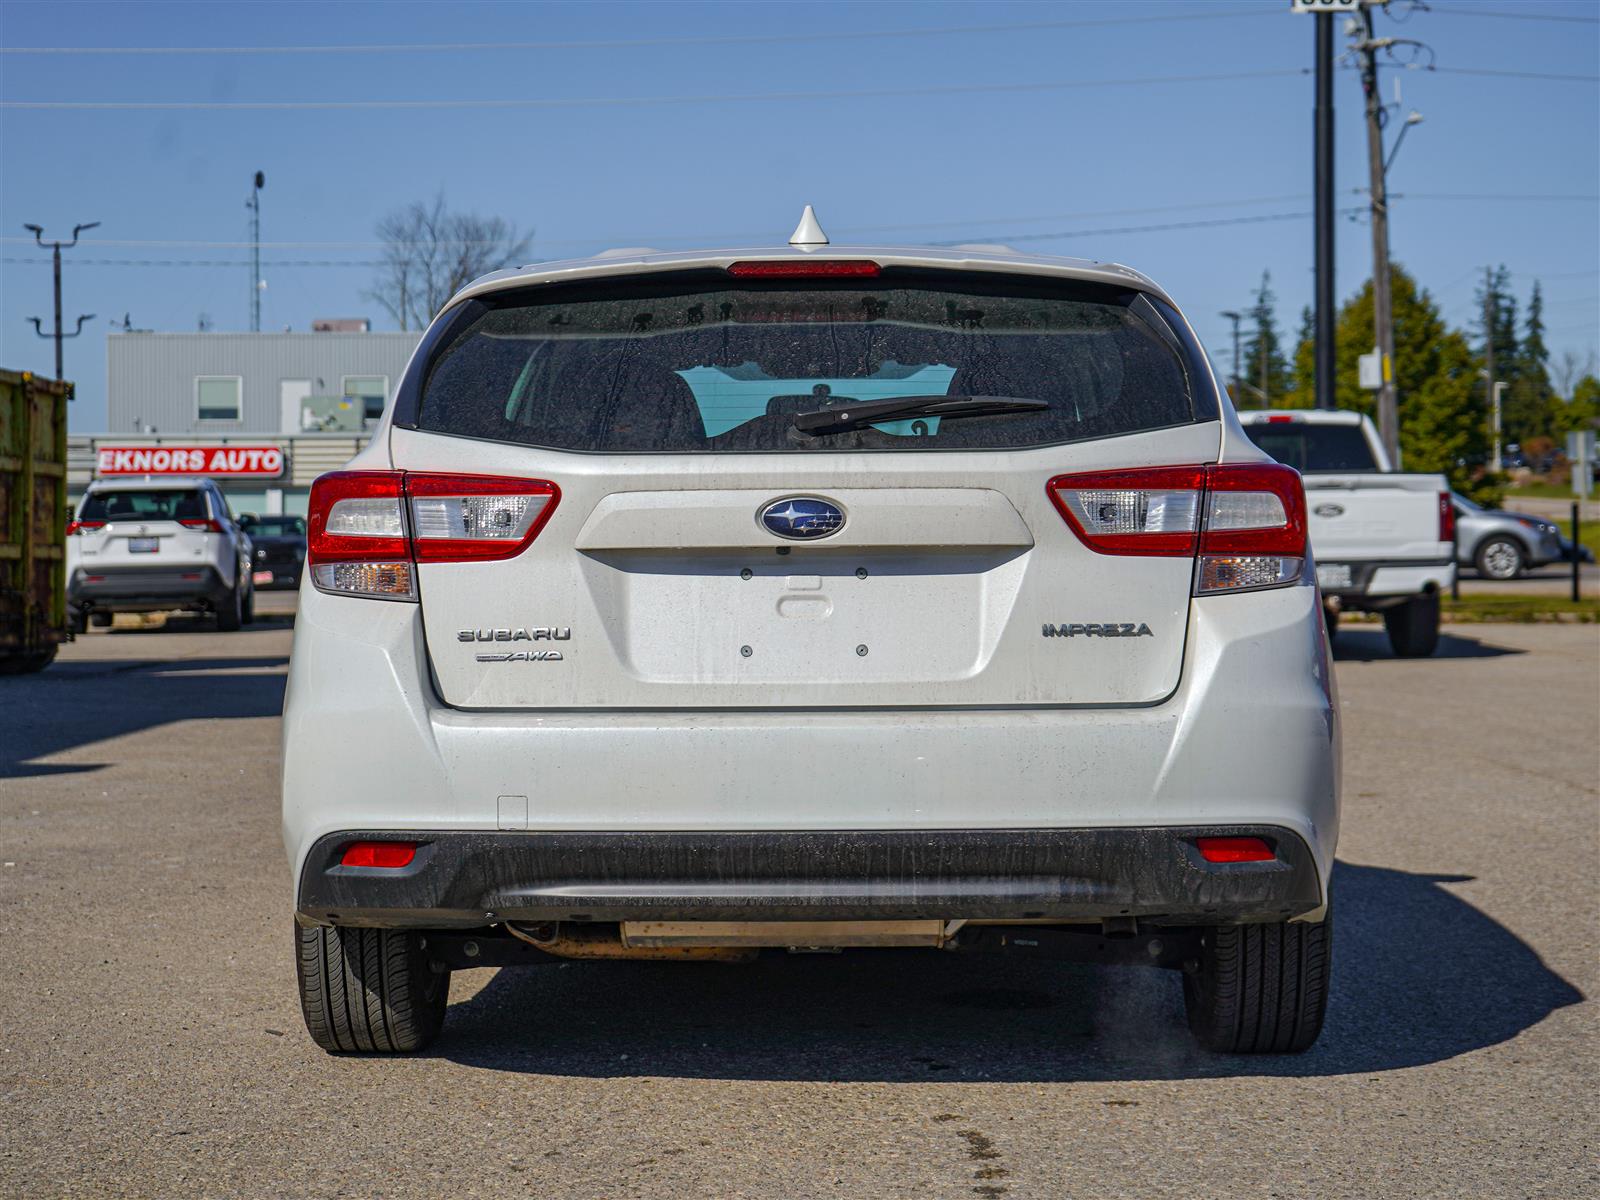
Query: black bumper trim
107	588
468	879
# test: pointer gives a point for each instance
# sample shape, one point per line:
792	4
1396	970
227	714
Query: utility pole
55	258
1323	172
1238	392
1491	308
1266	361
254	205
1383	321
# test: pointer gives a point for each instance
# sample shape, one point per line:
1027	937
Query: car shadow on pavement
1420	976
79	702
1372	645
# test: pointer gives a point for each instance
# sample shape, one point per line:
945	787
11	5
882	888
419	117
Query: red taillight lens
1447	518
1234	849
76	527
367	530
476	518
1254	508
378	854
806	268
201	525
1279	419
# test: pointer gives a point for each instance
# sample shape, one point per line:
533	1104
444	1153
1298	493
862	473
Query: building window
216	397
372	391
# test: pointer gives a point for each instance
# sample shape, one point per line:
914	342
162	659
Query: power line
1515	16
1574	197
1030	237
1512	74
1202	224
721	238
642	43
636	101
713	98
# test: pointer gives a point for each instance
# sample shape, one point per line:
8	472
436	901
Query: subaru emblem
802	518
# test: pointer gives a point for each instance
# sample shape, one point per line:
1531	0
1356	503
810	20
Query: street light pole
1382	315
1323	172
254	205
1237	391
55	263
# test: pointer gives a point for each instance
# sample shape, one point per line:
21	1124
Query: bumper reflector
378	854
1234	849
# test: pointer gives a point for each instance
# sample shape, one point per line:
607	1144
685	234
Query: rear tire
248	613
1413	627
100	620
27	664
368	991
1331	617
230	613
1260	989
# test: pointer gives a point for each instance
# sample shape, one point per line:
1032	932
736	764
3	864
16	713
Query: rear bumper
1249	739
145	587
1391	580
470	879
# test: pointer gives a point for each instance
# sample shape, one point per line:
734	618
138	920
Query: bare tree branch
430	253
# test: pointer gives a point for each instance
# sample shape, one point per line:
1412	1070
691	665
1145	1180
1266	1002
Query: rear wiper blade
852	416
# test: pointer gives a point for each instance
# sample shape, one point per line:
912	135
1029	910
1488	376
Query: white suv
158	544
701	605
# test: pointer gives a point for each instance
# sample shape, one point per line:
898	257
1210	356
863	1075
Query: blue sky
981	165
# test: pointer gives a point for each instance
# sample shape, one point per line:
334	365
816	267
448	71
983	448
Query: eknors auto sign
232	462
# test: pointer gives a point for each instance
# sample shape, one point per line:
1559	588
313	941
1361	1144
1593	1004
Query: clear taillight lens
387	580
366	516
1245	522
473	518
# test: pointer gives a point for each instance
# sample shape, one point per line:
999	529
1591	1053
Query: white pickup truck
1384	541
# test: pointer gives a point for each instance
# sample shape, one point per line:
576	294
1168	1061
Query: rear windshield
1312	449
706	363
274	526
169	505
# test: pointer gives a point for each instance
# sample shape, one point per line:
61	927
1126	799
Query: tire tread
368	991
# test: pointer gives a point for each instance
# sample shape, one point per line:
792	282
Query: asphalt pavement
151	1043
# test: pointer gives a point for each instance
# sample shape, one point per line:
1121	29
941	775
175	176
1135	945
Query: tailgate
1364	517
655	584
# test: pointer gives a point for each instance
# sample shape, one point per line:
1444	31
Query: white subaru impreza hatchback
704	605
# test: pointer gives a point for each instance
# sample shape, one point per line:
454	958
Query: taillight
356	536
367	530
202	525
1246	521
1447	518
1234	849
1255	528
74	528
378	854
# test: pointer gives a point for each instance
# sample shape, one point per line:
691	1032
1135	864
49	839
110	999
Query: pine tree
1266	375
1303	374
1582	409
1530	405
1442	425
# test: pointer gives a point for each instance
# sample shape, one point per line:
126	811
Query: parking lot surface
151	1043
